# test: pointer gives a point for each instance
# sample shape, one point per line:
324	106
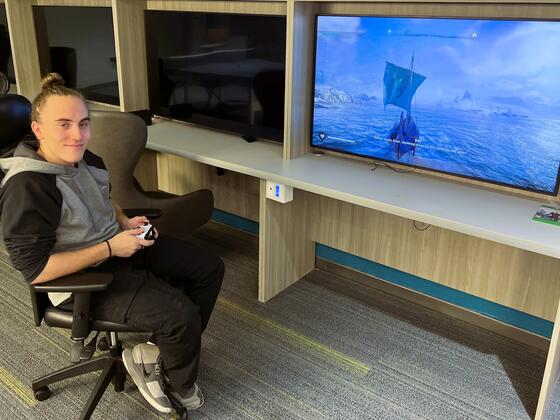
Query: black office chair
15	114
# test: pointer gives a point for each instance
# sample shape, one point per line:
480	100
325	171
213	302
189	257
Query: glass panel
79	43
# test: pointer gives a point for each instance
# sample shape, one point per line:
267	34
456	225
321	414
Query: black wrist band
109	246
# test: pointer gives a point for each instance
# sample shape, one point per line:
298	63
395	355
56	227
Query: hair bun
51	80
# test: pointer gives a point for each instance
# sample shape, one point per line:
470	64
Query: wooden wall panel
24	47
146	171
130	47
518	279
300	27
233	192
87	3
286	253
220	6
551	372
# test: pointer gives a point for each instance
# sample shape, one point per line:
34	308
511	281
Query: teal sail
399	85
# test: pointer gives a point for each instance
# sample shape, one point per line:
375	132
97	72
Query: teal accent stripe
235	221
476	304
485	307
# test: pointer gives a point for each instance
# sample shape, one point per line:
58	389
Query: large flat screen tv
223	71
472	98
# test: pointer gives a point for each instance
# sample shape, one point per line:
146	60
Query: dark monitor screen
472	98
222	71
79	43
6	63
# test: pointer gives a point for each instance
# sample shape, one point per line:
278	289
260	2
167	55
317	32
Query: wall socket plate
279	192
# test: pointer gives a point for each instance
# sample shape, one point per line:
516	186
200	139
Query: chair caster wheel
102	344
43	393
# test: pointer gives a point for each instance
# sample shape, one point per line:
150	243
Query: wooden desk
285	251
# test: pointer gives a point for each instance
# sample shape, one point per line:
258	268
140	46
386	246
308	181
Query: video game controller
148	233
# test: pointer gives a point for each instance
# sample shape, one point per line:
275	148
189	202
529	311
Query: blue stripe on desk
485	307
235	221
476	304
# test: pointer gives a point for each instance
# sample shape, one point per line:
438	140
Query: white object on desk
279	192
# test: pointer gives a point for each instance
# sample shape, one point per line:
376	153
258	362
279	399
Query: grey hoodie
48	208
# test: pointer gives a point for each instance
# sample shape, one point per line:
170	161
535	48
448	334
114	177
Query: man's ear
36	128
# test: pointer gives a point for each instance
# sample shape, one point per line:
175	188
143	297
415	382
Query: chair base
112	369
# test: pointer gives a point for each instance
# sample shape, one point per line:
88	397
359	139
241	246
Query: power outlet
279	192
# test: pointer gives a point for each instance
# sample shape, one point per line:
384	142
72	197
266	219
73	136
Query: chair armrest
183	214
81	285
76	283
151	214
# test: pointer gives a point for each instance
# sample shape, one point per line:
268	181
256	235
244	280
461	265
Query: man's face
62	130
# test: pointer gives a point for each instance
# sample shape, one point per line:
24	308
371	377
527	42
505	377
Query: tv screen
79	43
222	71
473	98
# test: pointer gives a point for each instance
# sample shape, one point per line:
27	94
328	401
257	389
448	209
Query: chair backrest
15	116
39	302
15	119
119	138
15	122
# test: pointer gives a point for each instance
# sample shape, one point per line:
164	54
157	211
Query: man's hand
137	221
134	222
124	222
126	243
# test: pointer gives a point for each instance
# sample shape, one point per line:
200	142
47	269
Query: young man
57	219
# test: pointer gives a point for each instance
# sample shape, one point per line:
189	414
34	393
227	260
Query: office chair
119	138
15	120
15	111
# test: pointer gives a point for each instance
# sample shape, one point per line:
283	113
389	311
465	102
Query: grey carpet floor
309	353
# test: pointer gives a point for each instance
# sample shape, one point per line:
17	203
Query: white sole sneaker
192	403
138	378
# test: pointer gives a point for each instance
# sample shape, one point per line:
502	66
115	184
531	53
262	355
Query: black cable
417	228
376	164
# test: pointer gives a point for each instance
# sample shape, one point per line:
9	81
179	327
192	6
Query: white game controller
148	233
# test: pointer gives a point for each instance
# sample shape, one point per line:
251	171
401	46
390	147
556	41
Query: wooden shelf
467	209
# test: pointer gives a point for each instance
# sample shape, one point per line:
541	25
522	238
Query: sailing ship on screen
399	87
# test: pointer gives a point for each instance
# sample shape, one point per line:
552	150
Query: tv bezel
259	132
410	165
